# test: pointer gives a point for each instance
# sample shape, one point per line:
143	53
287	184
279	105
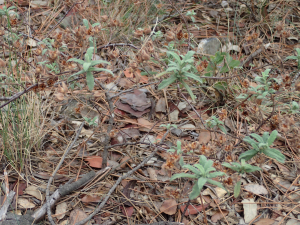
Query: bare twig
17	95
6	204
116	44
55	171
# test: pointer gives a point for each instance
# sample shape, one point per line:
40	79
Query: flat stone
209	46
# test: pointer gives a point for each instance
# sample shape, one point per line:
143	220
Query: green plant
168	126
294	108
295	57
157	35
262	90
202	173
181	70
215	122
218	58
191	14
241	168
177	148
8	11
91	122
88	67
262	146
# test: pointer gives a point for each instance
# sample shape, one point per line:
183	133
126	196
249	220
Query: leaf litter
148	195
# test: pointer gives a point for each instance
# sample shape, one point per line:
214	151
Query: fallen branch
17	95
6	204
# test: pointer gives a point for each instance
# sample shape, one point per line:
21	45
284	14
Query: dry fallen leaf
265	221
61	210
192	209
169	207
256	189
152	173
250	210
91	198
78	215
94	161
127	211
218	215
33	191
25	203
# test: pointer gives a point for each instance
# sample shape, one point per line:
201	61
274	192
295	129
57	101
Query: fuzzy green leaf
195	192
272	137
257	137
86	66
201	182
193	76
90	80
275	154
237	189
180	175
215	174
189	90
191	168
218	184
176	57
165	83
80	61
248	154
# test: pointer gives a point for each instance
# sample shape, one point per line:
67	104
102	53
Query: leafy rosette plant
262	145
241	168
203	173
88	67
181	70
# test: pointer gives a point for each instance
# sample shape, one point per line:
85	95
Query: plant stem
205	218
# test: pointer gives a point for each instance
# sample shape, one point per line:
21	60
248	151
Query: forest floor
149	112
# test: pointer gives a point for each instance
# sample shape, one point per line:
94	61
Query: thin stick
55	171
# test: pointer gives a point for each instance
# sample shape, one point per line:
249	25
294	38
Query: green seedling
91	122
168	126
89	67
202	173
294	108
191	14
176	148
217	60
263	89
241	168
262	145
295	57
215	122
181	70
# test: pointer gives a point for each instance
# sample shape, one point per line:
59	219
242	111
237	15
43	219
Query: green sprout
263	146
202	173
181	70
88	67
241	168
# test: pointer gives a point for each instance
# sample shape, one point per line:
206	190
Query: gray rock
13	219
209	46
179	133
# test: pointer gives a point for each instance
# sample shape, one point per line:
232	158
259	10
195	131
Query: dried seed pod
144	55
147	30
52	55
138	33
104	18
2	63
170	36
